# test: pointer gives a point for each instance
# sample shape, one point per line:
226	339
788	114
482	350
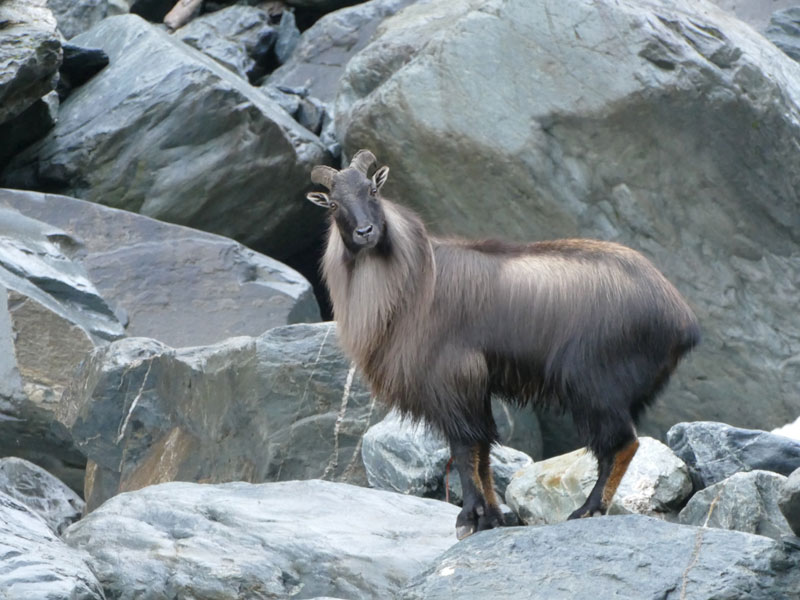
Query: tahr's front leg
480	510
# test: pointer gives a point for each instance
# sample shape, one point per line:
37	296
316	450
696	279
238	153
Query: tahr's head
354	200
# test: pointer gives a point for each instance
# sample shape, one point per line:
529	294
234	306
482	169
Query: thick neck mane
372	291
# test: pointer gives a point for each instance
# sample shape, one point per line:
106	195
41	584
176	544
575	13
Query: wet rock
30	54
278	540
744	501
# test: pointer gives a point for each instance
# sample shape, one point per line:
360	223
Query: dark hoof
478	519
586	511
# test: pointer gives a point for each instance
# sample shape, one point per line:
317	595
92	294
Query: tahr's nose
364	231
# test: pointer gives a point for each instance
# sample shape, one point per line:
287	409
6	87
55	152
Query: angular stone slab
715	451
182	287
30	54
744	501
35	563
47	496
168	132
324	49
285	405
276	540
629	556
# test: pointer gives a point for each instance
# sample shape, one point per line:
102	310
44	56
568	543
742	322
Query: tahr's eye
373	191
333	205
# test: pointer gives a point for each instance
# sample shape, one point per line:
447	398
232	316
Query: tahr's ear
319	198
379	178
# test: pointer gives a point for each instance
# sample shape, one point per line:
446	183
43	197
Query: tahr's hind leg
479	510
611	468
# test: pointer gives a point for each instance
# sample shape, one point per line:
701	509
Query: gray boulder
409	458
628	556
37	489
237	37
35	563
168	132
30	53
182	287
628	128
744	501
324	49
715	451
285	405
784	31
280	540
51	316
789	501
546	492
755	13
76	16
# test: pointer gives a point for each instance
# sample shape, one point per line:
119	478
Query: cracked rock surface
277	540
284	405
628	556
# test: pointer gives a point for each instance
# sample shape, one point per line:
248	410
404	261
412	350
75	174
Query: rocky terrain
177	419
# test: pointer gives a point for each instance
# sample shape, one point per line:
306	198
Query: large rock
546	492
755	13
37	489
51	316
611	557
181	286
285	405
76	16
744	501
409	458
168	132
784	31
715	451
320	57
789	501
627	126
238	37
294	539
35	563
30	53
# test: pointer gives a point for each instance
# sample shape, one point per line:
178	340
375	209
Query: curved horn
323	175
362	161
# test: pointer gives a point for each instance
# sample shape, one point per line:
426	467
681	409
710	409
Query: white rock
548	491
